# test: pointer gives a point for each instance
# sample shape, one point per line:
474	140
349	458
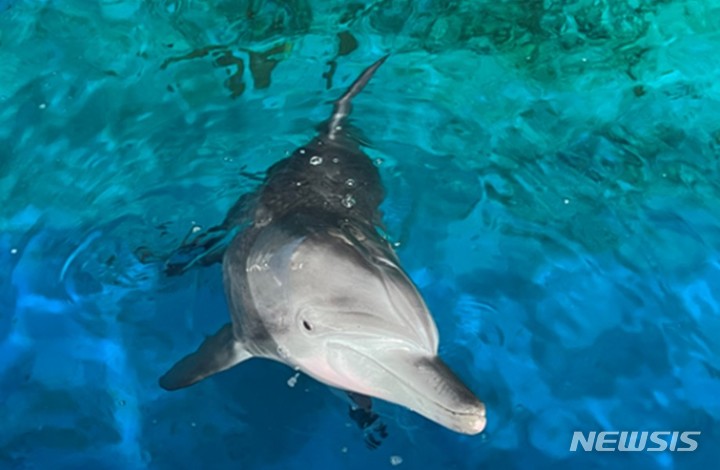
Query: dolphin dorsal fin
342	104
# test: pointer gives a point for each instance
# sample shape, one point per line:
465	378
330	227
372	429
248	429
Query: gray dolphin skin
311	283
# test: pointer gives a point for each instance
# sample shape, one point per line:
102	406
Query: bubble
298	183
316	160
338	128
13	251
336	160
42	106
348	201
344	450
193	424
302	151
395	460
293	380
196	229
379	161
566	201
350	183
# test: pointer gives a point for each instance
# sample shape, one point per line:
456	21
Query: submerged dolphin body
311	283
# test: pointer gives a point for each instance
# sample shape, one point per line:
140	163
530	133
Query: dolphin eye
307	325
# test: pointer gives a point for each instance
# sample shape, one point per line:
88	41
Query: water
552	179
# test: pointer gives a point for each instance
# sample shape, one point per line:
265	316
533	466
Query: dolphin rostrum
311	283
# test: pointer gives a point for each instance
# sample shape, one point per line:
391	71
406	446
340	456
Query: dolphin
310	282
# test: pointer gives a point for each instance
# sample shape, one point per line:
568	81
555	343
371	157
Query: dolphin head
339	308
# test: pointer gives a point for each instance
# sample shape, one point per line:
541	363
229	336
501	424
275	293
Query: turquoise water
552	178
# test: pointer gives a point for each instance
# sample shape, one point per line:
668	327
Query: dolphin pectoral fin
217	353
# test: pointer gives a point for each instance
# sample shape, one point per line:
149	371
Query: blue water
552	177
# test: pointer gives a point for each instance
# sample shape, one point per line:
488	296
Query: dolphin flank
311	283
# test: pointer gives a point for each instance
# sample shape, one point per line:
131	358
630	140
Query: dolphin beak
444	398
422	383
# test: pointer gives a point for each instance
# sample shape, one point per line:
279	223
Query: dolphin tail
343	106
217	353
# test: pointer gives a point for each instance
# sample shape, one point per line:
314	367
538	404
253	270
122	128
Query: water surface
552	178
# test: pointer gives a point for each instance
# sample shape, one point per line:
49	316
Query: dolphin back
329	174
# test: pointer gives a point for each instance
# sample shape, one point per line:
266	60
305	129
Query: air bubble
379	161
348	201
316	160
13	251
293	380
42	106
302	151
395	460
350	183
336	160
